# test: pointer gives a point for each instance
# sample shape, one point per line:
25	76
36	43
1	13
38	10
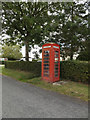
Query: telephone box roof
52	44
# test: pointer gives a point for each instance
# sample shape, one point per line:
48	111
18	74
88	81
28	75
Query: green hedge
69	70
33	67
75	71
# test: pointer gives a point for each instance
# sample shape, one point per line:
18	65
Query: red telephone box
51	62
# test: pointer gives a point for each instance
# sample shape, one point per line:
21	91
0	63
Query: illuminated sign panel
46	46
56	47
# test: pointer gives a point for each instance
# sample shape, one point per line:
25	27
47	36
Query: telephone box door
56	64
46	63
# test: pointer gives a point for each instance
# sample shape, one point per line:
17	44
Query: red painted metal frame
54	47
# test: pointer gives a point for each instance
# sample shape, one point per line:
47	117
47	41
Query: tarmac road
23	100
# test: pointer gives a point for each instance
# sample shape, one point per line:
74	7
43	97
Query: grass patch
70	88
1	67
18	75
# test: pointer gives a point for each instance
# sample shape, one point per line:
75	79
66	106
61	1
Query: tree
0	50
83	56
40	22
36	55
84	51
11	52
26	23
73	28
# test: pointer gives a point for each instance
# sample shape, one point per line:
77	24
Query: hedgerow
33	67
69	70
75	71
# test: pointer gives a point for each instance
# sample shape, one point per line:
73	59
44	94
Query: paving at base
23	100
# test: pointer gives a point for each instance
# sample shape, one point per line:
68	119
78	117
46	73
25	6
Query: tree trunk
71	55
26	50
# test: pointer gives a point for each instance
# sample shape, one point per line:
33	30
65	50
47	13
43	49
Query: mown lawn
70	88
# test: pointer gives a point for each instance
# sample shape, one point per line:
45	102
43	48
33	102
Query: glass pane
56	55
46	55
46	75
56	52
56	65
46	63
46	68
46	51
47	72
56	60
56	75
46	58
56	68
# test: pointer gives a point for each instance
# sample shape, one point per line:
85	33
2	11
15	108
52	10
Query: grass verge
70	88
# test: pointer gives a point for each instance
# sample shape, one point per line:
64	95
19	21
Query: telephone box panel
51	62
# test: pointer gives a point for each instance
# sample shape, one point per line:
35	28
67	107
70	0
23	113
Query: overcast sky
31	53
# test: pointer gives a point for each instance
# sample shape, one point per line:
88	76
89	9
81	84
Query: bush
32	67
83	56
74	70
12	52
69	70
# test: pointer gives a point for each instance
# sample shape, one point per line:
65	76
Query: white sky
32	50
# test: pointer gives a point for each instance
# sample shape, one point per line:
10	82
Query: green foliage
75	71
36	23
69	70
32	67
83	56
74	28
11	52
25	22
0	49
